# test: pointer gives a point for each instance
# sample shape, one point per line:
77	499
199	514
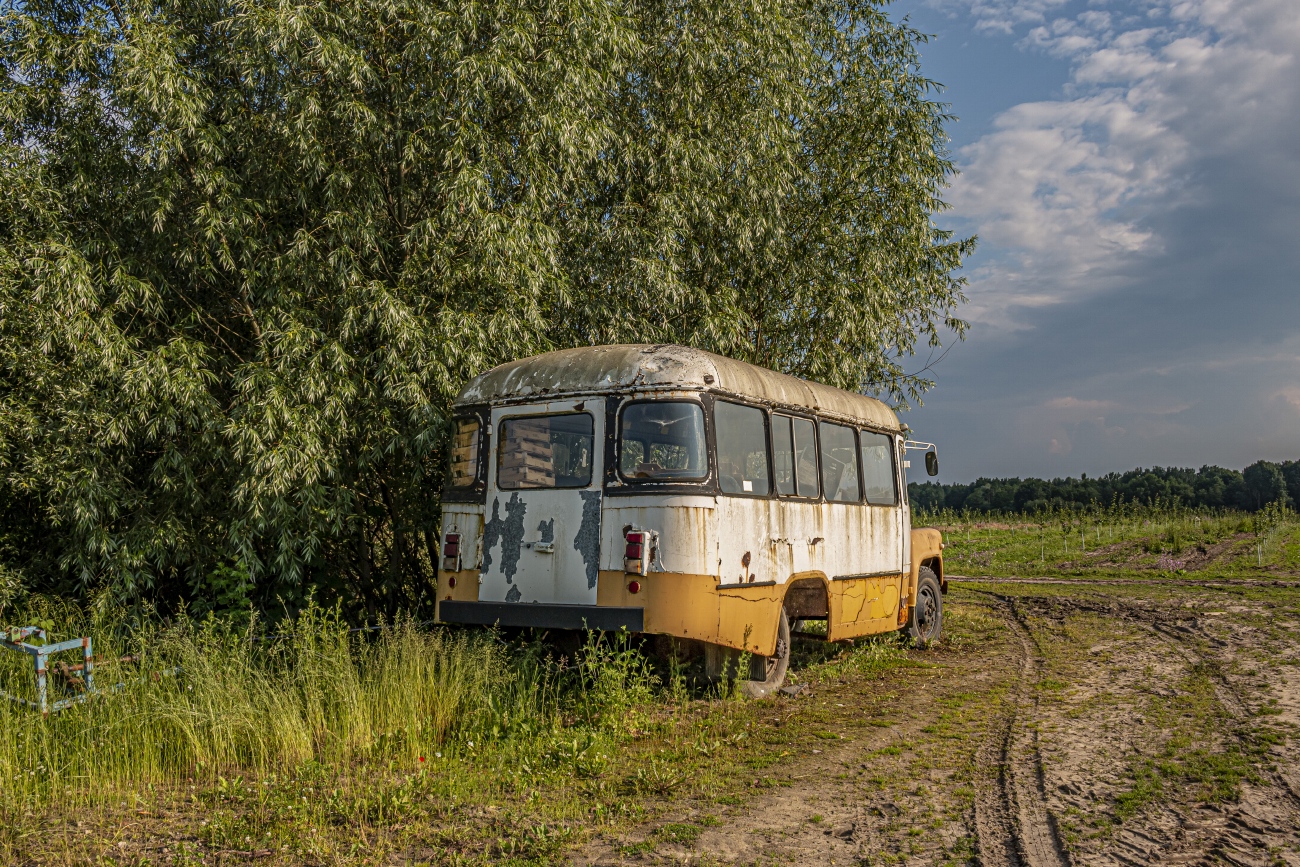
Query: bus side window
742	449
805	458
878	472
783	455
839	463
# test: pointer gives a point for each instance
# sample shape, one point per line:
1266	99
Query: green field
1123	541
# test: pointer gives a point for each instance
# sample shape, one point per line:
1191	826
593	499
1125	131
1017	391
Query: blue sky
1132	168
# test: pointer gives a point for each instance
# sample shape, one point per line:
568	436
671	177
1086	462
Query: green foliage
1207	488
614	679
225	594
1270	517
250	252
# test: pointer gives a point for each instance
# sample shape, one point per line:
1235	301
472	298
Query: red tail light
451	553
635	559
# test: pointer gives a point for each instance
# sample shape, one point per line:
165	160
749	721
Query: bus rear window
464	452
662	440
547	451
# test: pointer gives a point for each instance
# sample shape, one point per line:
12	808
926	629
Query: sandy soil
1097	728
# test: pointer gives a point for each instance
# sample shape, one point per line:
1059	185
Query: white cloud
1006	16
1065	193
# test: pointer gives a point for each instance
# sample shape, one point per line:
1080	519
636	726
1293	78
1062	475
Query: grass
202	702
1196	757
307	742
1125	540
318	743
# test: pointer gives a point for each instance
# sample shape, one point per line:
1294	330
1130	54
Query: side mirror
932	463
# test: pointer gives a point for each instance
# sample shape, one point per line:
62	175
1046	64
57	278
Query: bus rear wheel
925	621
767	673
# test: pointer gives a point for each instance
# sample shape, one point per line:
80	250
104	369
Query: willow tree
249	251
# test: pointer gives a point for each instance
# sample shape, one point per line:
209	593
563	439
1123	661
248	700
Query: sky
1132	171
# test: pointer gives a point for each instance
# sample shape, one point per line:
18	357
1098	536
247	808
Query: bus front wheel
925	621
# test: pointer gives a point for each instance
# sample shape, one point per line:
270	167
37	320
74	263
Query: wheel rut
1253	829
1264	818
1012	822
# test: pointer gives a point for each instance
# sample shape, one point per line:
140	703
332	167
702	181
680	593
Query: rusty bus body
669	490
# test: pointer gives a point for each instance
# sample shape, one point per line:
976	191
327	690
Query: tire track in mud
1124	582
1247	832
1012	822
1250	831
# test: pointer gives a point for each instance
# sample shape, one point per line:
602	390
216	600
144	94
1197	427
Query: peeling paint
510	532
547	529
587	540
603	369
491	533
514	594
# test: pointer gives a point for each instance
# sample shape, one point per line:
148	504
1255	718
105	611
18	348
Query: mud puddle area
1060	725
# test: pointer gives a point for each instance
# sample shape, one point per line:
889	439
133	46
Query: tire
925	620
767	673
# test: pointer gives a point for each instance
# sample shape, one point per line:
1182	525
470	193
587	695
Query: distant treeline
1251	489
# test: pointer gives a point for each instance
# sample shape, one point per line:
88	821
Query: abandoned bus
668	490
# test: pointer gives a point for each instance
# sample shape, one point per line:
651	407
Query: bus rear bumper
543	615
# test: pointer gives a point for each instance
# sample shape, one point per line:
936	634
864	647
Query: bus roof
660	367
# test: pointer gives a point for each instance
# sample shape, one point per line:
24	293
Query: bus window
794	447
549	451
805	457
662	441
878	469
783	455
464	453
839	463
742	449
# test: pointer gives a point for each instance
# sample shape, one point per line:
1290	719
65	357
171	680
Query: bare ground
1096	725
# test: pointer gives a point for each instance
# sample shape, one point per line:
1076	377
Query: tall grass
202	700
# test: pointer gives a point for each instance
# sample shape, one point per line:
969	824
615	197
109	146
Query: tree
1209	487
1291	473
250	252
1264	484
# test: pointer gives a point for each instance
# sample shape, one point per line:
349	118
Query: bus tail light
636	553
451	553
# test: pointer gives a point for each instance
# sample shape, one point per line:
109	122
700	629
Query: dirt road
1062	724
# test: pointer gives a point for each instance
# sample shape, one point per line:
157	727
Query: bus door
882	494
541	530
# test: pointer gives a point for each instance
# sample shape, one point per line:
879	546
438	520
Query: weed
680	832
656	778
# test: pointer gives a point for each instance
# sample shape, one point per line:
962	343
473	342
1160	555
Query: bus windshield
662	440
